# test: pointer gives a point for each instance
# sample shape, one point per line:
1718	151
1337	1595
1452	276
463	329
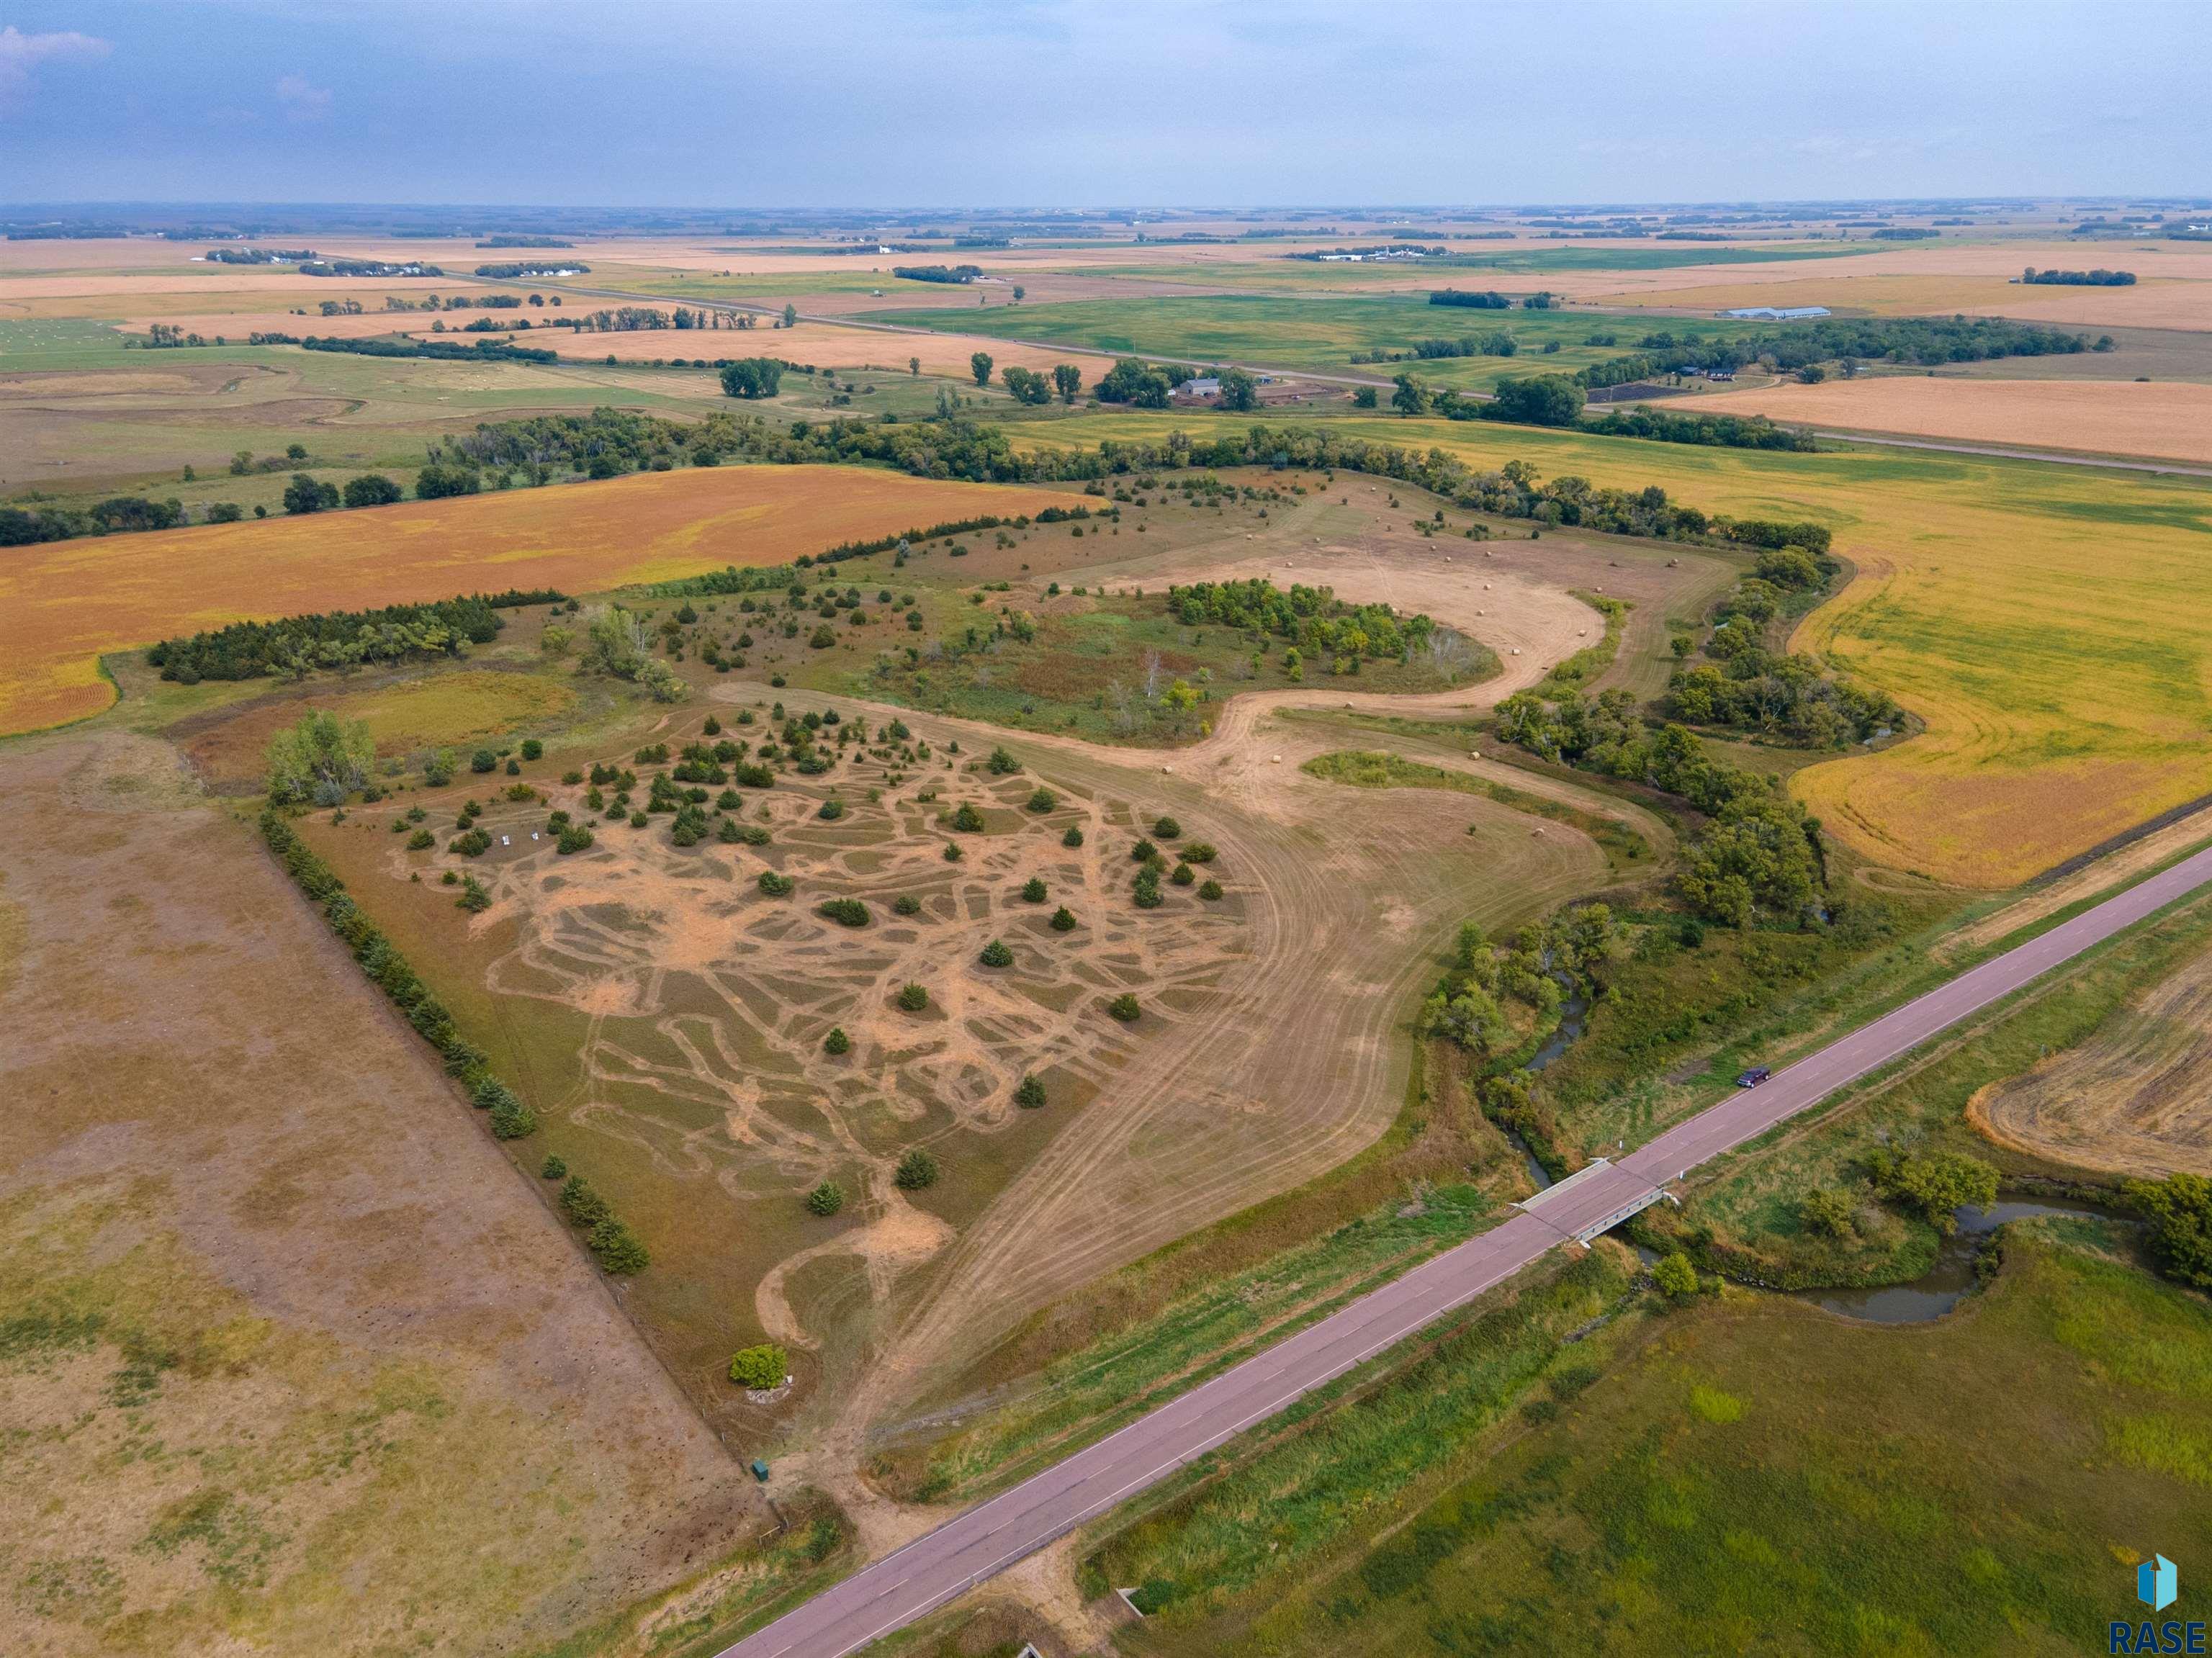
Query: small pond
1947	1283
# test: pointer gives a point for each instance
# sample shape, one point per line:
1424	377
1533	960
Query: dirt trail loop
1294	1068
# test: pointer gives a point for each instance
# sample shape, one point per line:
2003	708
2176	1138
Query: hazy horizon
868	107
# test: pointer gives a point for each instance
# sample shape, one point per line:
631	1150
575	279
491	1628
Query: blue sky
939	103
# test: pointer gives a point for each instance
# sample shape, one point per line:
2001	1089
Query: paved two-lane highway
933	1569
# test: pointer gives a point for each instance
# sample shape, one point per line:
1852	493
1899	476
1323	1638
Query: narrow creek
1573	1014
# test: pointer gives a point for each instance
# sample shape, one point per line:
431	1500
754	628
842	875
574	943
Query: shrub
1210	891
513	1120
617	1249
473	899
1144	852
574	837
1073	838
1001	763
968	820
826	1199
1044	800
1828	1211
552	1168
1184	875
582	1204
760	1369
916	1169
837	1041
1033	890
1934	1183
1676	1278
1063	919
421	841
1125	1007
1030	1094
483	760
995	954
1199	852
831	811
371	489
2179	1208
913	998
776	886
907	904
846	912
952	853
1147	890
532	749
1167	829
823	637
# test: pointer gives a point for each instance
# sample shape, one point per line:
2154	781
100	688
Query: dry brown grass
298	1363
2167	419
64	603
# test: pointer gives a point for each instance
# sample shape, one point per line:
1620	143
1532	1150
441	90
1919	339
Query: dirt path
1348	889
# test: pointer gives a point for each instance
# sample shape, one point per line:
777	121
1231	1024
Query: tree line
1922	341
296	645
2100	278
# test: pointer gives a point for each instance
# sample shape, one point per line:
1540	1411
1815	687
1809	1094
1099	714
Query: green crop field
1317	334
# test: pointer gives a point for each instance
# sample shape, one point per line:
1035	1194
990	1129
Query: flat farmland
64	603
1319	334
2157	302
2165	420
826	345
2053	626
295	1362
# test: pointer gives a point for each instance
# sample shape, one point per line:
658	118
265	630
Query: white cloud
20	53
301	101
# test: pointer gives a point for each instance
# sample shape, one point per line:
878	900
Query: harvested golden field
2167	419
64	603
2051	624
2135	1099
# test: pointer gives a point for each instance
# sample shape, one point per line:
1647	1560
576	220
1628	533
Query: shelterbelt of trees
609	440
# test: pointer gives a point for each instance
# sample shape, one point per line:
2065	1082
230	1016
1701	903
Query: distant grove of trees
258	255
299	644
534	268
367	268
937	273
2097	278
1923	340
753	377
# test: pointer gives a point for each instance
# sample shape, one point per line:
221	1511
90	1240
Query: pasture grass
1626	852
1268	1507
1764	1477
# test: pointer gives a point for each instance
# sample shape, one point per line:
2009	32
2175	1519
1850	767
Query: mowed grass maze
2051	624
64	604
